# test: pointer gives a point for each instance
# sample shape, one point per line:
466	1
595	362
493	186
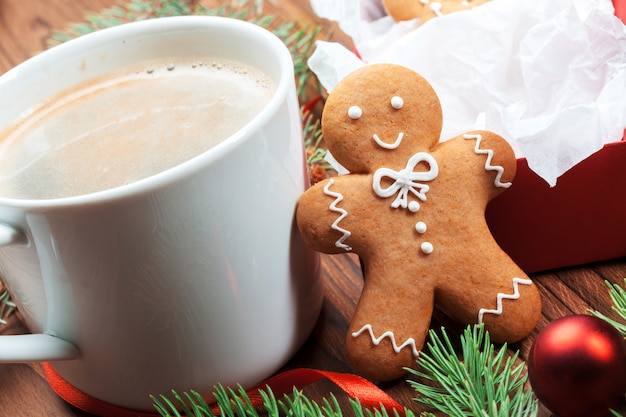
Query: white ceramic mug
192	277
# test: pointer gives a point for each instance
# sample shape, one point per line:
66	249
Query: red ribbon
368	394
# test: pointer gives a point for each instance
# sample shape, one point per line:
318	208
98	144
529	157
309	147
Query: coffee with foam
127	127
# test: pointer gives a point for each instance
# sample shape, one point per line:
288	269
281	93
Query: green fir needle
484	382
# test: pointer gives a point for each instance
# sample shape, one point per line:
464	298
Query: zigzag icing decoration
497	182
502	296
343	213
409	342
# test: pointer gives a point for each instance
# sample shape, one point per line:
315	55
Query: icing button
420	227
355	112
427	248
414	206
397	102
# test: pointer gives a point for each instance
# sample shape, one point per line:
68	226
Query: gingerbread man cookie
425	10
413	209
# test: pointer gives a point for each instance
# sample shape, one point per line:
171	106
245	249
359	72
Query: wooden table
25	26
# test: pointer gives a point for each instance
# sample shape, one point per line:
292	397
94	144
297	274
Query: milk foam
128	127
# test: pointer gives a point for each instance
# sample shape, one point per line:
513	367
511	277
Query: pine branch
257	3
483	383
313	141
116	15
237	403
618	296
6	305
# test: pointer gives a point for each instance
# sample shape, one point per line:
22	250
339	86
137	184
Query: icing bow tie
407	180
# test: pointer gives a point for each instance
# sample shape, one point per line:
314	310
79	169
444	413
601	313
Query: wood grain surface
25	26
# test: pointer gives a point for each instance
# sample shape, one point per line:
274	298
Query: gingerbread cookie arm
487	158
323	215
498	156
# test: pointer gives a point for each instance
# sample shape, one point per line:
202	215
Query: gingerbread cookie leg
387	333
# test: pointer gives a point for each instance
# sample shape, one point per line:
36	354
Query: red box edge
578	221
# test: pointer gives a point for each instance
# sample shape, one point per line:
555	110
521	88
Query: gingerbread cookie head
399	113
425	10
413	210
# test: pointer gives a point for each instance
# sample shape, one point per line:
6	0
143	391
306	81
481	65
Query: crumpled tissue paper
549	76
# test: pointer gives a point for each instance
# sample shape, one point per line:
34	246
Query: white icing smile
386	145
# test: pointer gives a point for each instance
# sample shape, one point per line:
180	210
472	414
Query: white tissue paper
549	76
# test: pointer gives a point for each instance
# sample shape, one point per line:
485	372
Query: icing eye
397	102
355	112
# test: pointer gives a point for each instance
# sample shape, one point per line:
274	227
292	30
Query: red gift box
580	220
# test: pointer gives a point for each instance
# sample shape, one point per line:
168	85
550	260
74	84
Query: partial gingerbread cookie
413	209
425	10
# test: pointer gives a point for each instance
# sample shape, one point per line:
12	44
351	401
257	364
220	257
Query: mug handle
41	347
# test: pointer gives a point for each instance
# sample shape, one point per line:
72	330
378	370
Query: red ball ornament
577	366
